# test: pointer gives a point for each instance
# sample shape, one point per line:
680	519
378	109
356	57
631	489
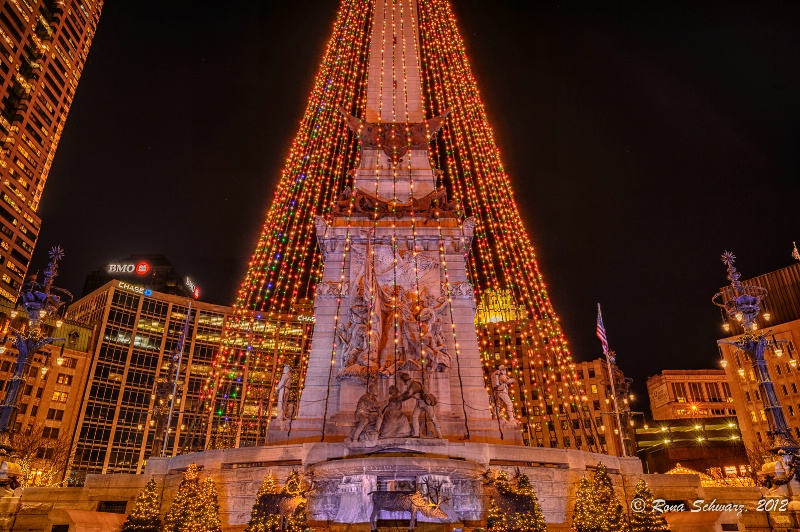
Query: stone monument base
346	476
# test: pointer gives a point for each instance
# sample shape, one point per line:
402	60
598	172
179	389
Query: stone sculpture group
384	308
376	419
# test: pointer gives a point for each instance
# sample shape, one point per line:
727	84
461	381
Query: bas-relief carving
357	203
332	289
394	296
395	138
459	289
376	419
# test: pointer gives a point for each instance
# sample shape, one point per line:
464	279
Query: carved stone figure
423	402
382	278
359	204
395	138
359	355
409	330
282	394
343	201
403	501
393	422
367	413
500	383
434	349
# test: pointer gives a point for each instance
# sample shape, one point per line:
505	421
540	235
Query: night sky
642	140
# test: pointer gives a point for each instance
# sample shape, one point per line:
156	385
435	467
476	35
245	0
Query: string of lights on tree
286	265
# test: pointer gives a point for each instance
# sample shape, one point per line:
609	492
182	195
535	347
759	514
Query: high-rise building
43	49
780	319
131	378
690	394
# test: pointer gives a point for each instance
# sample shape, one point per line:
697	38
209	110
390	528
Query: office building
592	426
130	379
43	422
43	49
690	394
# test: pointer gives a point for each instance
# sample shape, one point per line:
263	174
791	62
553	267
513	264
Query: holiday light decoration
645	518
286	265
145	514
597	508
195	507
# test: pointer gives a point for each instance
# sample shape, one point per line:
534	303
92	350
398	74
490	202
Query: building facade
43	423
690	394
780	321
131	376
43	49
592	427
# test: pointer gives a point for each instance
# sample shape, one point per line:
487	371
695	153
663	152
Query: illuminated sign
140	268
193	288
121	268
306	318
135	288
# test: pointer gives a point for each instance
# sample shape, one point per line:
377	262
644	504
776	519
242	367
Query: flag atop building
601	331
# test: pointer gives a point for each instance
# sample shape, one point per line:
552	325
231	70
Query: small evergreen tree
195	507
583	514
186	505
645	518
501	483
264	523
297	521
495	519
208	520
607	508
528	521
144	516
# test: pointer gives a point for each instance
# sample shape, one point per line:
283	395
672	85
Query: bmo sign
140	268
193	288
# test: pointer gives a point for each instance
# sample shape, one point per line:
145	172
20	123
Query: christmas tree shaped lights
287	265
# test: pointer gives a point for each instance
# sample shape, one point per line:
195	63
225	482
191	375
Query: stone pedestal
373	269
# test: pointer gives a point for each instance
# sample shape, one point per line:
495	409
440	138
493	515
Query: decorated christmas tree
144	516
644	518
584	517
532	521
208	520
264	522
495	518
195	507
597	508
516	495
610	514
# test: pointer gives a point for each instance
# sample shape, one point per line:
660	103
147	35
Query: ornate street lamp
742	304
39	300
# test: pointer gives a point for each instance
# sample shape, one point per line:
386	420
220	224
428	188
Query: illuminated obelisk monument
395	351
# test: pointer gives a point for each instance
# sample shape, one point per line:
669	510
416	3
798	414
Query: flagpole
609	362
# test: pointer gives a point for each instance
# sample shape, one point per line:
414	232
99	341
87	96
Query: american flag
601	331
